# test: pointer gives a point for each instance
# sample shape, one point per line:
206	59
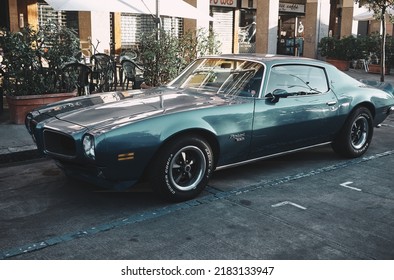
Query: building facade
291	27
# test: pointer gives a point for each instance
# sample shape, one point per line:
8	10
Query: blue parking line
213	195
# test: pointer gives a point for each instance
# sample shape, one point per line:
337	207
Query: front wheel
182	168
356	134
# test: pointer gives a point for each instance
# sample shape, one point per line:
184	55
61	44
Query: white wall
101	30
273	26
203	7
323	19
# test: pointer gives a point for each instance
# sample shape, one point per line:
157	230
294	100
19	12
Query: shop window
247	31
133	25
291	35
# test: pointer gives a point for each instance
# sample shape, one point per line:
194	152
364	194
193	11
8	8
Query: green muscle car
221	111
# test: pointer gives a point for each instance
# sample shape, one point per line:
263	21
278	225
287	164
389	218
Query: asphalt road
308	205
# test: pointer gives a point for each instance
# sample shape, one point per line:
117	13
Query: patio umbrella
173	8
368	15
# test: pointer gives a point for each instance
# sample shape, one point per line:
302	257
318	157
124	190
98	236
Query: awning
173	8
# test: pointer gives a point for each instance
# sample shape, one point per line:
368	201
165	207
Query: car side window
297	79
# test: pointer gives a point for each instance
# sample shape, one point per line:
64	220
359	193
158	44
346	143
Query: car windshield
222	76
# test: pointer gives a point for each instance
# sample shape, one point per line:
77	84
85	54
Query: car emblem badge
238	137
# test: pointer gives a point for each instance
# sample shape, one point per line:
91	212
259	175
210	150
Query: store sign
224	3
291	8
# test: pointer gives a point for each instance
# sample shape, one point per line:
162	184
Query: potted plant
339	52
33	62
371	44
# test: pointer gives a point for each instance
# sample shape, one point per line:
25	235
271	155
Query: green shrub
346	48
33	59
165	55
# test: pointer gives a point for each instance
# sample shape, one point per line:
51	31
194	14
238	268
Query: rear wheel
182	168
356	134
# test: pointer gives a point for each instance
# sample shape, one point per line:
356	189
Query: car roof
272	58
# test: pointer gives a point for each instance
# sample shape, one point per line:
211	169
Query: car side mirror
276	95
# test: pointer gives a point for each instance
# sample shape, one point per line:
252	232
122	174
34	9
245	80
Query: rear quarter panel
352	93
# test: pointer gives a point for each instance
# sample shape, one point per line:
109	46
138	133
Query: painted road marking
346	185
290	203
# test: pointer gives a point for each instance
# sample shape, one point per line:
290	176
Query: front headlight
88	146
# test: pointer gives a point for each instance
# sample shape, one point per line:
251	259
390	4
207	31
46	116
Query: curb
20	156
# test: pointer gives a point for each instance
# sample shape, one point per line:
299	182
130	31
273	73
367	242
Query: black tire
182	168
356	134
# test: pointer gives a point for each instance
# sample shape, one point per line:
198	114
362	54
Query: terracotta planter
20	106
342	65
375	69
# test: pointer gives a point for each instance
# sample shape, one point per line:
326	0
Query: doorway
290	35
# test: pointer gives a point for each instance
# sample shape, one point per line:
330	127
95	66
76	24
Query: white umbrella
369	15
174	8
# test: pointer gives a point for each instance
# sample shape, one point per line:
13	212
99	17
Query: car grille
59	144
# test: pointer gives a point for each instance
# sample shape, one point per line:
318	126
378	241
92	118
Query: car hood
103	109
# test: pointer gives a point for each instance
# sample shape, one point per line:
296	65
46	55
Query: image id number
253	270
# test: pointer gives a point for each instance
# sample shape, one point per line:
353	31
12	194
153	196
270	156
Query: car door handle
331	103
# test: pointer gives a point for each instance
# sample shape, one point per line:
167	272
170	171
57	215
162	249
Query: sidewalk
16	143
15	140
360	74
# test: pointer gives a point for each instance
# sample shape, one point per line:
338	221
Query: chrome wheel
355	136
359	132
187	168
181	169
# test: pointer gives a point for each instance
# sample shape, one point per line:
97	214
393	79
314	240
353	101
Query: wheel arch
207	135
366	104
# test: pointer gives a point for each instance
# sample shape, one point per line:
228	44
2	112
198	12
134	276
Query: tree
163	59
380	8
